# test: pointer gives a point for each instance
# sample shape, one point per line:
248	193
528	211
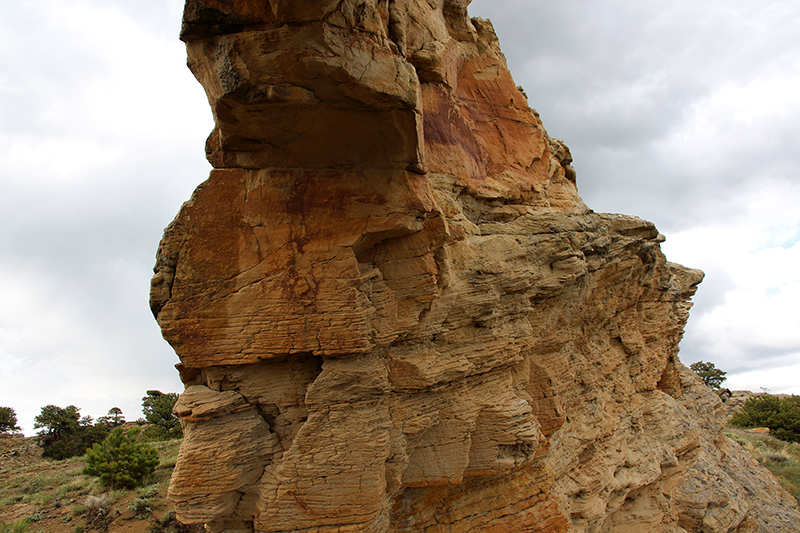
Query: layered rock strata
395	314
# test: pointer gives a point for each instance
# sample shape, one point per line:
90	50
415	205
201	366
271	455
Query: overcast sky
685	113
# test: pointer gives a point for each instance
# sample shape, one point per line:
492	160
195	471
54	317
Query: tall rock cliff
395	314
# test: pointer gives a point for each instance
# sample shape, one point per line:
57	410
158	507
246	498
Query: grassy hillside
44	495
779	457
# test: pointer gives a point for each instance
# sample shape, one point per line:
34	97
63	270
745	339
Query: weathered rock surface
394	312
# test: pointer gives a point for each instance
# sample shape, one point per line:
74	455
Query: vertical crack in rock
394	313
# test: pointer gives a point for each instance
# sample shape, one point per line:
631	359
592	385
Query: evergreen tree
64	433
123	460
114	418
8	420
59	431
157	408
115	414
710	374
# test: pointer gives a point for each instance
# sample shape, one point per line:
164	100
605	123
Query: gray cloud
617	79
686	114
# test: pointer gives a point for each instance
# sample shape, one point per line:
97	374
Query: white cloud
783	380
101	134
751	321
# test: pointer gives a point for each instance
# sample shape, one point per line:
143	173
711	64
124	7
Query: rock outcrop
733	402
395	314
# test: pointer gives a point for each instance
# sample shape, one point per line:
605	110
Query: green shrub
780	415
123	460
150	491
141	508
158	434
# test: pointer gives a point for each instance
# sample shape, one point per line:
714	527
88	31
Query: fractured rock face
394	312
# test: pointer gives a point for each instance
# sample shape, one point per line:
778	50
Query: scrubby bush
123	460
141	508
98	512
780	415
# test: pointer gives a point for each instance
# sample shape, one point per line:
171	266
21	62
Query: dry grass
779	457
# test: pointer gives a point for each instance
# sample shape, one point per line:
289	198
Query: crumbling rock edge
394	313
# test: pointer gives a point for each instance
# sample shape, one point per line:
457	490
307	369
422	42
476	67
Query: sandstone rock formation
395	313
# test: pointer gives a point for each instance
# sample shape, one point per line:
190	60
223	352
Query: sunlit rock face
395	314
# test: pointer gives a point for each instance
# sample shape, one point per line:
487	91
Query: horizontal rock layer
394	312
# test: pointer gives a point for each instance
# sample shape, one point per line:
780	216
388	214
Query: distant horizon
127	420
